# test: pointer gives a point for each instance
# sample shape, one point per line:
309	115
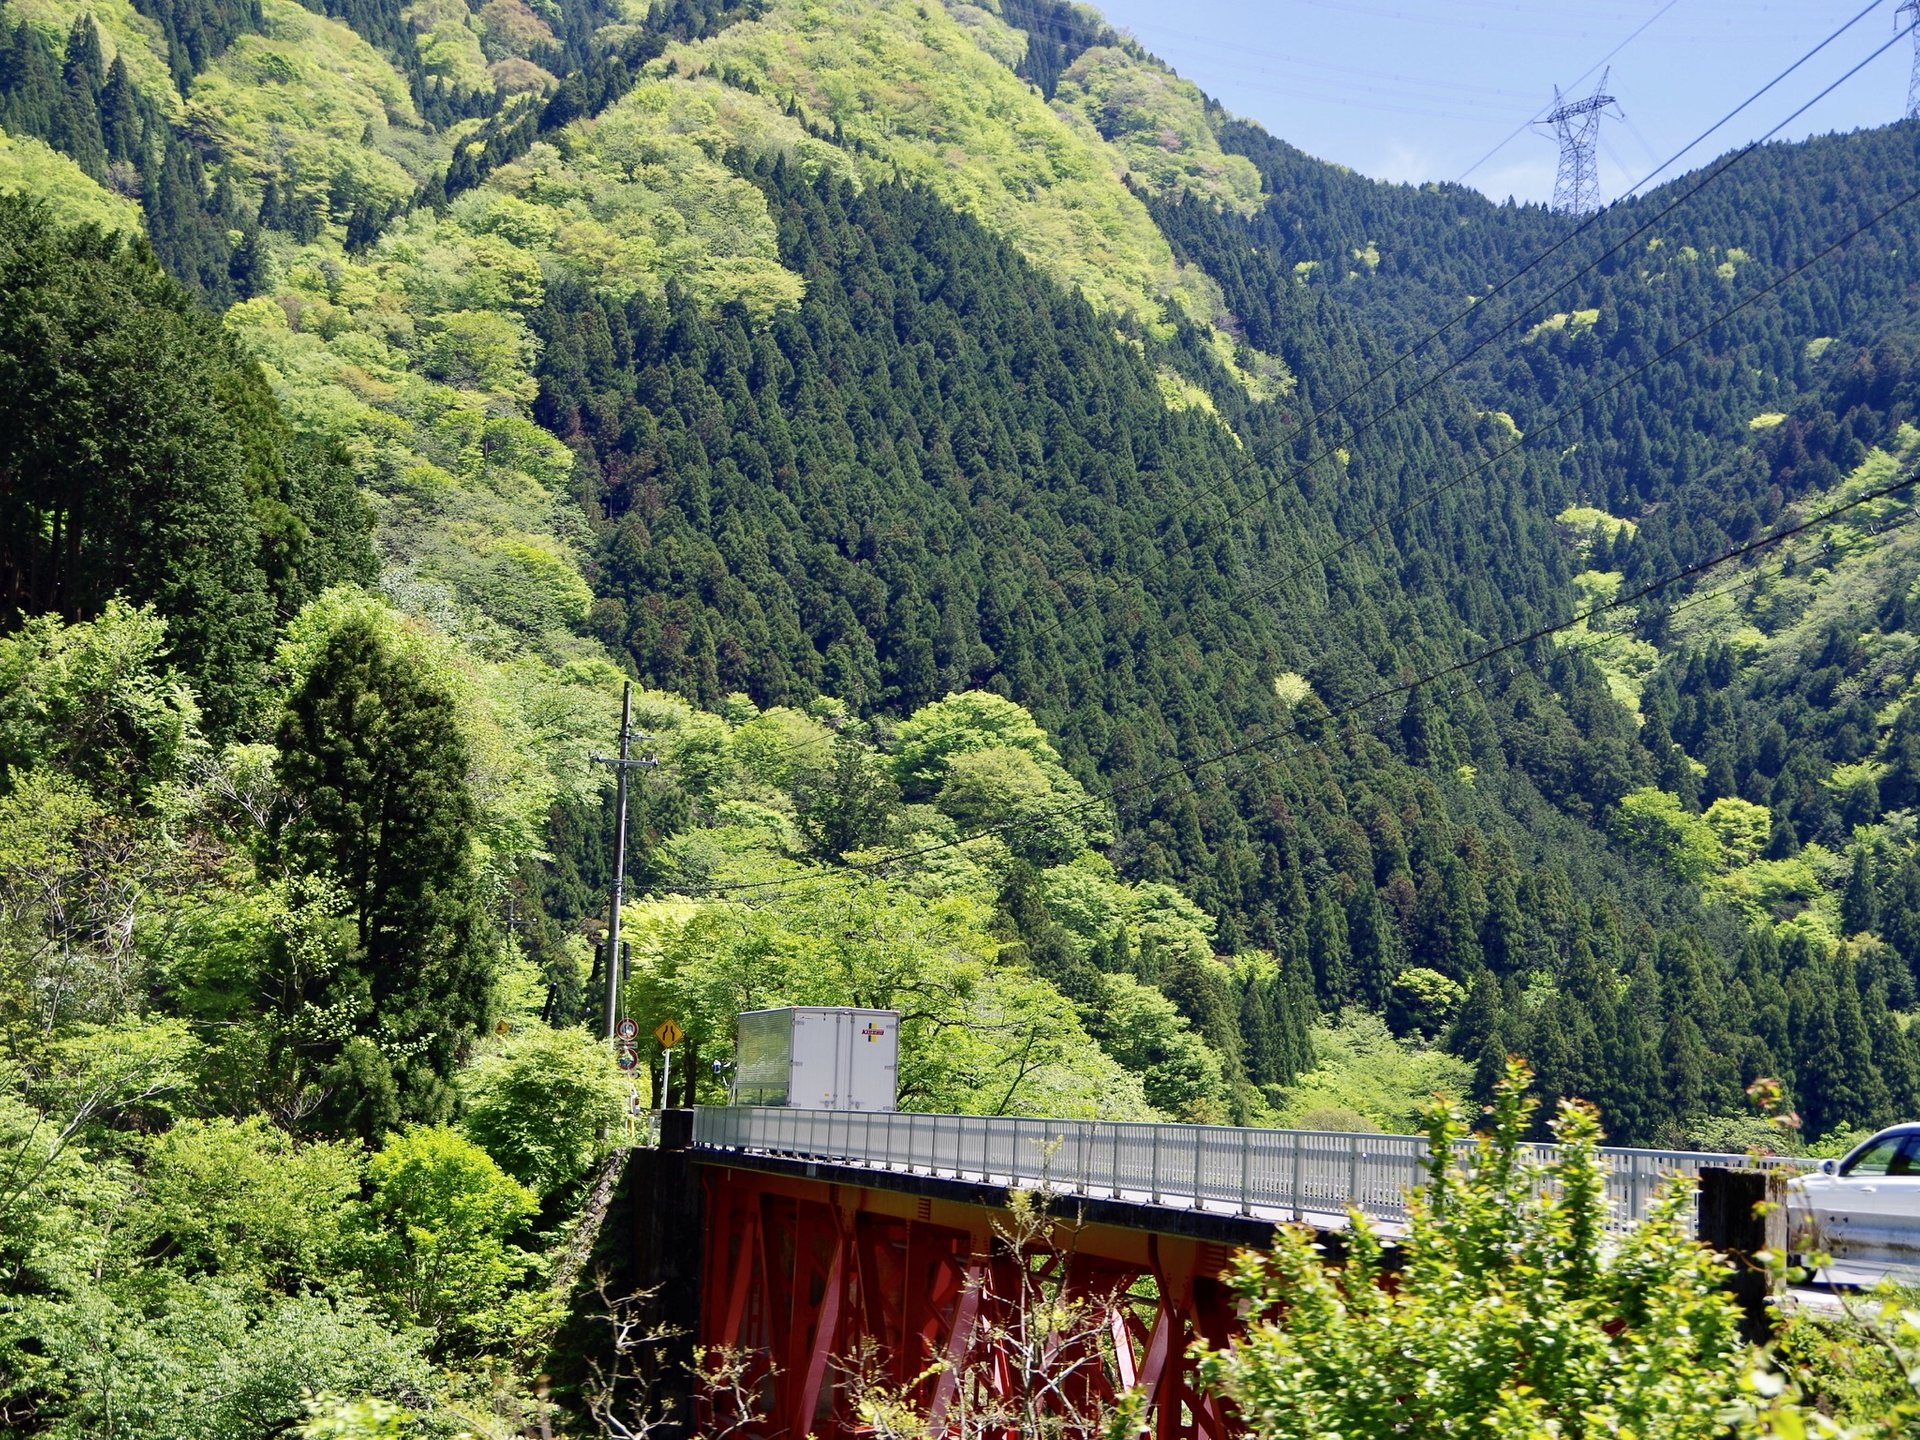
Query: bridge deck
1266	1176
1215	1227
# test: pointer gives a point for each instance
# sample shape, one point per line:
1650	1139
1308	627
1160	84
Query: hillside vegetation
971	440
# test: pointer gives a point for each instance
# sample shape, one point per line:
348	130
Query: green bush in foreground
1509	1318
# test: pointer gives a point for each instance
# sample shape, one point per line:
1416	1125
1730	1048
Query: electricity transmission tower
1910	13
1576	125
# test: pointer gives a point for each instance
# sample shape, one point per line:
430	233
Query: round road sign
626	1029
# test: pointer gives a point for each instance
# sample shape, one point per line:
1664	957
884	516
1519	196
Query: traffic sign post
669	1034
626	1030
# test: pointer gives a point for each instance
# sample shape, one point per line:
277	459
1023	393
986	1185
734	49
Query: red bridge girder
812	1280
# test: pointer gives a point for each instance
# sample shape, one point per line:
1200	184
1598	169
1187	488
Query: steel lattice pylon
1576	125
1909	14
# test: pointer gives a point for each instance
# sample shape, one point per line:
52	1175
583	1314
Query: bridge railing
1269	1174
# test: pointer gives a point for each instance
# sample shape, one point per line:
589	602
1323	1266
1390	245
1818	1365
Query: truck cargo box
816	1057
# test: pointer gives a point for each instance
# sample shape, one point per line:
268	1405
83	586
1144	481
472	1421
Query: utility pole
621	764
1910	13
1576	125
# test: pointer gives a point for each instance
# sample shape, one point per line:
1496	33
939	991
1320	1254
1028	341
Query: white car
1863	1211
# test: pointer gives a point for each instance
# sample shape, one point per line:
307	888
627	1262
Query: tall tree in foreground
375	764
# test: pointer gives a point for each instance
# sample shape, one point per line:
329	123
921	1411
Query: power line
1097	36
1258	743
1567	411
1361	427
1599	640
1340	546
1540	114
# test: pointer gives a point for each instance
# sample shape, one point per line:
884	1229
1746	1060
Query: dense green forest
991	464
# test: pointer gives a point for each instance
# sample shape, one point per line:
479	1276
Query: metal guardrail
1267	1174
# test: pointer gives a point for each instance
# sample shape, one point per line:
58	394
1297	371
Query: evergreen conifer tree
372	754
1372	946
1895	1065
1636	1098
1683	1060
1900	912
120	122
1265	1046
1327	943
1860	904
76	123
1478	1023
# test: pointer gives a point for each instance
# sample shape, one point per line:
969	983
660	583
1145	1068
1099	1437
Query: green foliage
1159	124
909	92
725	356
208	1362
1006	787
373	758
926	745
1143	1031
844	801
434	1234
1741	827
30	167
355	1420
70	877
1424	1001
1655	826
292	103
1512	1312
242	1200
1359	1068
1856	1367
144	457
97	701
539	1103
978	1037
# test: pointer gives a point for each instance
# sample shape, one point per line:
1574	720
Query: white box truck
817	1057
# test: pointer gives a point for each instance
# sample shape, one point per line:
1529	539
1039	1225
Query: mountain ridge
860	353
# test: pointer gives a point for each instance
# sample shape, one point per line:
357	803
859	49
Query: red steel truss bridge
838	1253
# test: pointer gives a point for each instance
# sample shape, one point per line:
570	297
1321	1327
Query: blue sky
1422	89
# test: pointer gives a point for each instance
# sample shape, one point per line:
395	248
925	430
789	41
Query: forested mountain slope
991	462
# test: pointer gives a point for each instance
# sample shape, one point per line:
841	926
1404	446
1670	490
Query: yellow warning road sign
669	1034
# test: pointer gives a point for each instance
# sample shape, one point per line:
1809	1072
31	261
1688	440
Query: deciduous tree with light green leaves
539	1102
1656	827
437	1232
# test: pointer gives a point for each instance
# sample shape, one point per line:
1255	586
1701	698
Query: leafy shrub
434	1237
1510	1316
539	1104
241	1198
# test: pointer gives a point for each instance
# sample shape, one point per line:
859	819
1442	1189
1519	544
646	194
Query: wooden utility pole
621	764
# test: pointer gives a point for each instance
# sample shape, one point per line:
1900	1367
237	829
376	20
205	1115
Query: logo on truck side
873	1032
